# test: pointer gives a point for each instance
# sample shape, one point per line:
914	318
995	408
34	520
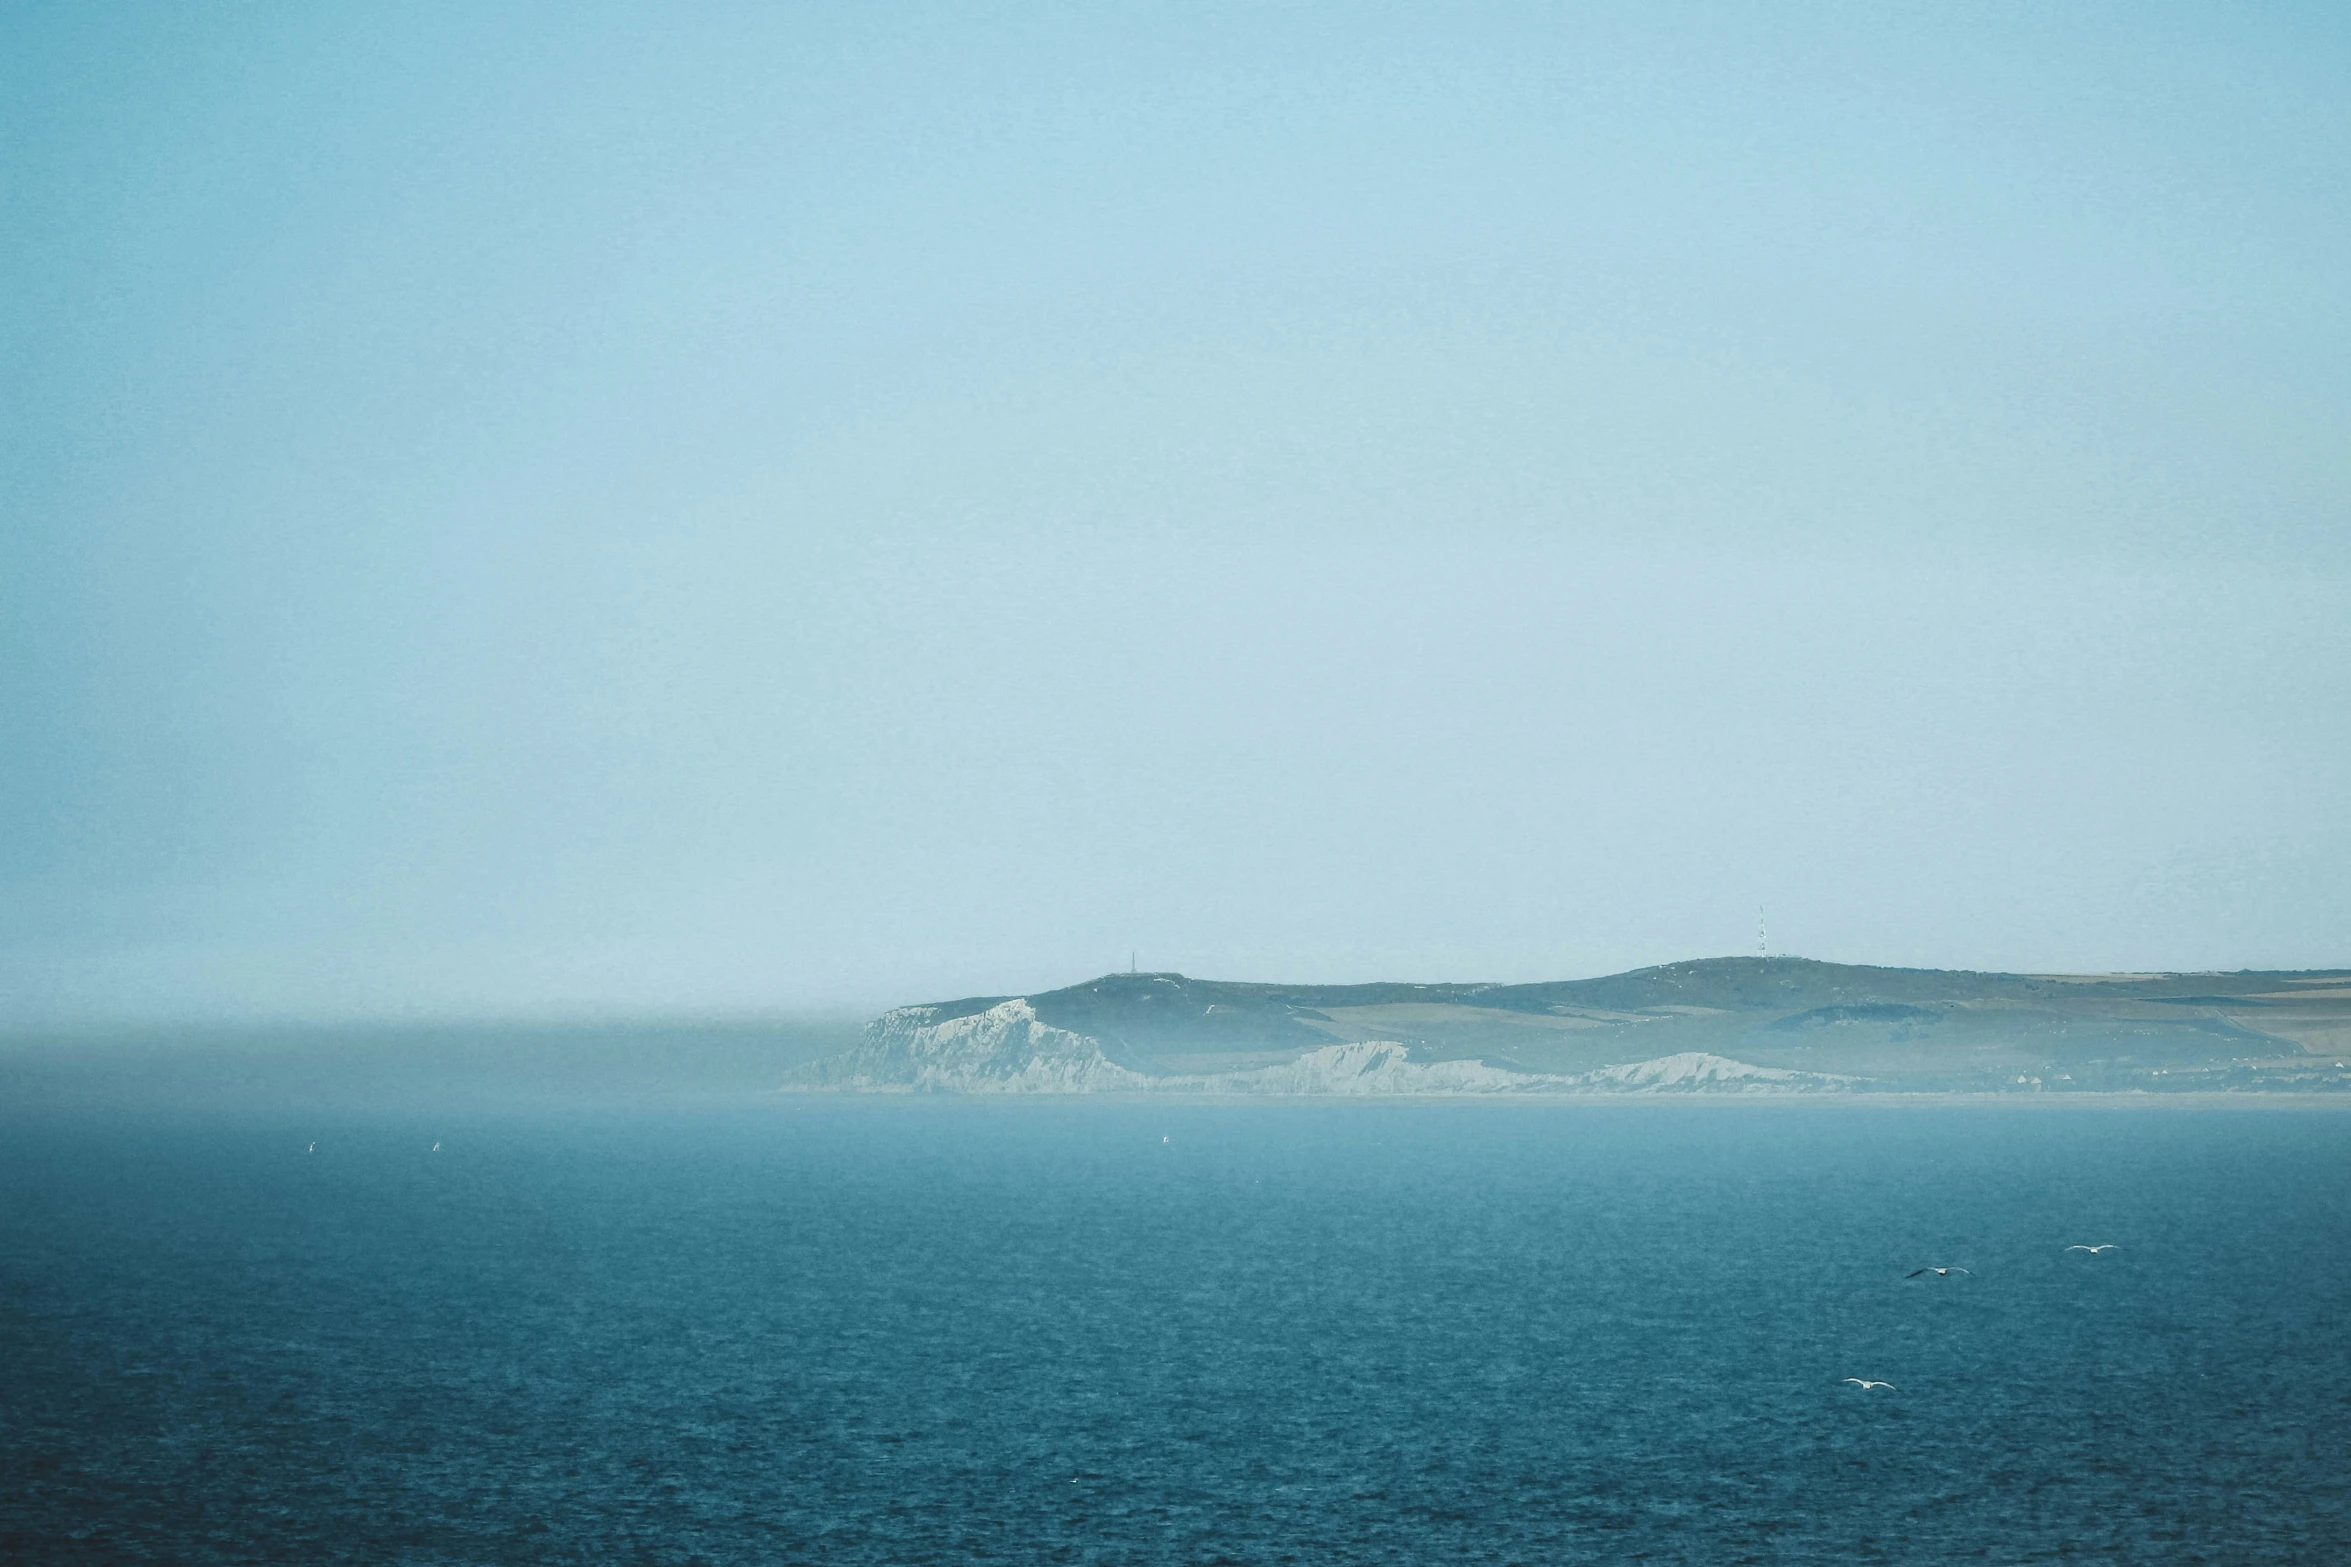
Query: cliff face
1002	1050
1007	1050
1385	1067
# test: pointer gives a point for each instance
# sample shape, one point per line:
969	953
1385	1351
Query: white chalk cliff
1005	1049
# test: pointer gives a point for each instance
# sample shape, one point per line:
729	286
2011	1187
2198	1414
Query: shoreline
1892	1101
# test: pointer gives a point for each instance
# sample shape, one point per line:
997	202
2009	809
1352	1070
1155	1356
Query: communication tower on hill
1762	947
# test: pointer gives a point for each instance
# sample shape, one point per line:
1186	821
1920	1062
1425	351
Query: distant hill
1777	1024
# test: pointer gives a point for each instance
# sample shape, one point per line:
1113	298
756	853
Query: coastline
1891	1101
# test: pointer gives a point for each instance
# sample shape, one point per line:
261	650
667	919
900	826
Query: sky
566	510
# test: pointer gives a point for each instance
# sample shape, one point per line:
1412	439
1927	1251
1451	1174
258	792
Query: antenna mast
1762	947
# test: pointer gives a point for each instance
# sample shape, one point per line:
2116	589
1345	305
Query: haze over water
540	545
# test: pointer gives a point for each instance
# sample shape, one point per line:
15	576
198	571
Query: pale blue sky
544	509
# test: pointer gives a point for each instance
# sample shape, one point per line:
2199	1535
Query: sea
760	1329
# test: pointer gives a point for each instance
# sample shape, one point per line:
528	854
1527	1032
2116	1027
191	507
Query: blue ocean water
905	1332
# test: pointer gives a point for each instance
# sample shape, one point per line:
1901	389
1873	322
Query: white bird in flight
1940	1273
1865	1384
436	1147
313	1148
2093	1250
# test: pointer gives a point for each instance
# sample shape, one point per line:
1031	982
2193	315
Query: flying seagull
1940	1273
2093	1250
1865	1384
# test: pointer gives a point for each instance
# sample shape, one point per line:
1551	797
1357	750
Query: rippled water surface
852	1332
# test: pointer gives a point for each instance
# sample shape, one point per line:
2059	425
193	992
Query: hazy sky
544	509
